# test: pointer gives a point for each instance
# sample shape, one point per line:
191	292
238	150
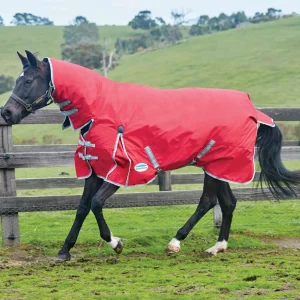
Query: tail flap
264	119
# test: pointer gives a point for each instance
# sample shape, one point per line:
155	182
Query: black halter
30	107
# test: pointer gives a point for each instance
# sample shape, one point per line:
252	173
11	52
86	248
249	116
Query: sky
120	12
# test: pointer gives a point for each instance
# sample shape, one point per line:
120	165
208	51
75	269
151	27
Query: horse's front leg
91	186
98	201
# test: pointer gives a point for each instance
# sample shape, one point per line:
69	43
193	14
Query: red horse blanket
135	131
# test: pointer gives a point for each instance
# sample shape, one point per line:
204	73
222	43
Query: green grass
251	267
257	274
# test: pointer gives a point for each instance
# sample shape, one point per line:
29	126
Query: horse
129	133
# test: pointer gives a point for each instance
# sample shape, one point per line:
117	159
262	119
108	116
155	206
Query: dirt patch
285	242
22	256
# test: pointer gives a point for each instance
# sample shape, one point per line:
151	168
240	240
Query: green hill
262	60
45	40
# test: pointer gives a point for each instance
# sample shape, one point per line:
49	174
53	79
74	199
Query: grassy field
252	267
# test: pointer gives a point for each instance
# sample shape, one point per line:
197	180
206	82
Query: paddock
263	256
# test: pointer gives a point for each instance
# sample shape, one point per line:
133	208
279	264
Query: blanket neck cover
135	131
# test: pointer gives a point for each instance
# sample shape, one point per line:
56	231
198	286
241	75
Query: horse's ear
23	59
32	59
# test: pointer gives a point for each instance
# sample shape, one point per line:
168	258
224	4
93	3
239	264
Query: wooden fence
12	157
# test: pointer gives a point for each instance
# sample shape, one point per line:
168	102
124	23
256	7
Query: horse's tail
281	182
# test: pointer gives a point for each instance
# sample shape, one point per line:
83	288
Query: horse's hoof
63	257
119	248
210	253
172	249
218	247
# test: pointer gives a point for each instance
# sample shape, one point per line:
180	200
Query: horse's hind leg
91	186
227	202
207	201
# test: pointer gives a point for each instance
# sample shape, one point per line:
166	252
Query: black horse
34	91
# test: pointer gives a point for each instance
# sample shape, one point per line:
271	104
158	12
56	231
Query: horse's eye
28	81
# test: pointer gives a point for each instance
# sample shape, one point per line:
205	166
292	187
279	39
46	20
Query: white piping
51	71
53	83
235	182
122	185
124	148
267	123
114	156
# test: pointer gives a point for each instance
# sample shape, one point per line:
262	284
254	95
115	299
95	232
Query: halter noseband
30	107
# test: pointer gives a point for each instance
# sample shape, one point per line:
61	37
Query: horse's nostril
6	114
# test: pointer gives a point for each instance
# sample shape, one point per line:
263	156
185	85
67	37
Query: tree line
206	25
27	19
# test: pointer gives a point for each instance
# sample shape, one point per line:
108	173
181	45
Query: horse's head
32	91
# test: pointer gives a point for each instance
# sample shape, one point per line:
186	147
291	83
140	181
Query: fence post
9	222
164	181
217	215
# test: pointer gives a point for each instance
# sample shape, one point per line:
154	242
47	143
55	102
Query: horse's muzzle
7	115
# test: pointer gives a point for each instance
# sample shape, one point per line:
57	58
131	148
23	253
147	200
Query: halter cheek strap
30	106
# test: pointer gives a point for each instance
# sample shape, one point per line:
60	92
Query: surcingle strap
87	157
63	104
152	158
203	152
86	144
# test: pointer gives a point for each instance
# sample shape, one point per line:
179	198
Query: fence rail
11	205
10	160
28	156
53	116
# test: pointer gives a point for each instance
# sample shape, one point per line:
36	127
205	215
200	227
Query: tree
1	21
238	18
203	20
198	30
258	17
143	21
6	83
88	55
82	33
27	19
273	13
82	47
179	17
81	44
213	23
133	45
119	48
80	20
224	22
161	21
156	33
171	34
109	61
